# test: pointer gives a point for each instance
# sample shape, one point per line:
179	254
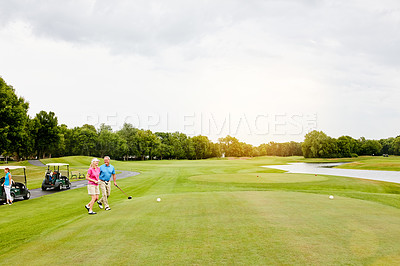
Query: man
106	171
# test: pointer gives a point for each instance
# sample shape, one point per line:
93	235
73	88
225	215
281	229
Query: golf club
129	197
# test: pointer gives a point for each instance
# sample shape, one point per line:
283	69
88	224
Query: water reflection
327	169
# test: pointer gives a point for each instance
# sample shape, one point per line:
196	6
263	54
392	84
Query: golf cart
18	187
56	179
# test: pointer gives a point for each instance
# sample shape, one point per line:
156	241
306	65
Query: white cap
95	160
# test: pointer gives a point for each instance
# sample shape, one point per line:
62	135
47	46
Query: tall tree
201	145
181	147
396	146
318	145
166	147
369	147
45	132
347	146
87	140
248	149
387	145
215	150
60	149
231	146
147	143
129	134
13	121
110	143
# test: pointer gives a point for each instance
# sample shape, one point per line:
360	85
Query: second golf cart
18	187
55	178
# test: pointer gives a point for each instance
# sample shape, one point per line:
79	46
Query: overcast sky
258	70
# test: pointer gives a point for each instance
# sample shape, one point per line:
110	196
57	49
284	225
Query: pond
327	169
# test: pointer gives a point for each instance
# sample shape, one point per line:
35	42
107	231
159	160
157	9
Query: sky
258	70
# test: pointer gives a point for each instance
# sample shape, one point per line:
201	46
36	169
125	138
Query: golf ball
158	199
331	197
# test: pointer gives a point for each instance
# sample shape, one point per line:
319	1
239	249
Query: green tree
215	150
387	145
318	145
45	132
60	149
110	143
347	146
201	145
181	146
147	143
263	149
13	121
166	147
369	147
81	140
246	149
295	149
129	134
396	146
189	150
26	150
231	146
280	149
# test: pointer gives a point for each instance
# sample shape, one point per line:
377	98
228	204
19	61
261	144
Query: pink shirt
94	174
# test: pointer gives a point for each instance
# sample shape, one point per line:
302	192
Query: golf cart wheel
43	188
28	195
12	196
58	188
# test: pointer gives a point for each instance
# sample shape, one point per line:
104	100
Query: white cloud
338	59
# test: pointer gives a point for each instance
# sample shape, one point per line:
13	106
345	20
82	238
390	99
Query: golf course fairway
257	178
203	218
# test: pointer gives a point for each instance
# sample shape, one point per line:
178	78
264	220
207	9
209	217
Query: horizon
258	71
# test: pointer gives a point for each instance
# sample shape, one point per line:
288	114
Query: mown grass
257	178
391	163
203	222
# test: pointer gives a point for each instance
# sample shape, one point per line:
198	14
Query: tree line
319	145
24	137
41	136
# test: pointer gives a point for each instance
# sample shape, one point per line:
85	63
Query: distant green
206	219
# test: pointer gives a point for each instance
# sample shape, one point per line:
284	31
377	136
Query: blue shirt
7	180
106	172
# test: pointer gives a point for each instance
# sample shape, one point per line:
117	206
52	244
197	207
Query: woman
93	185
7	185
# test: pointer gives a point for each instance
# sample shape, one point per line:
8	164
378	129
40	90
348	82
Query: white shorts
93	190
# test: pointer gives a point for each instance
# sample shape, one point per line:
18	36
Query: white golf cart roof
56	164
12	167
